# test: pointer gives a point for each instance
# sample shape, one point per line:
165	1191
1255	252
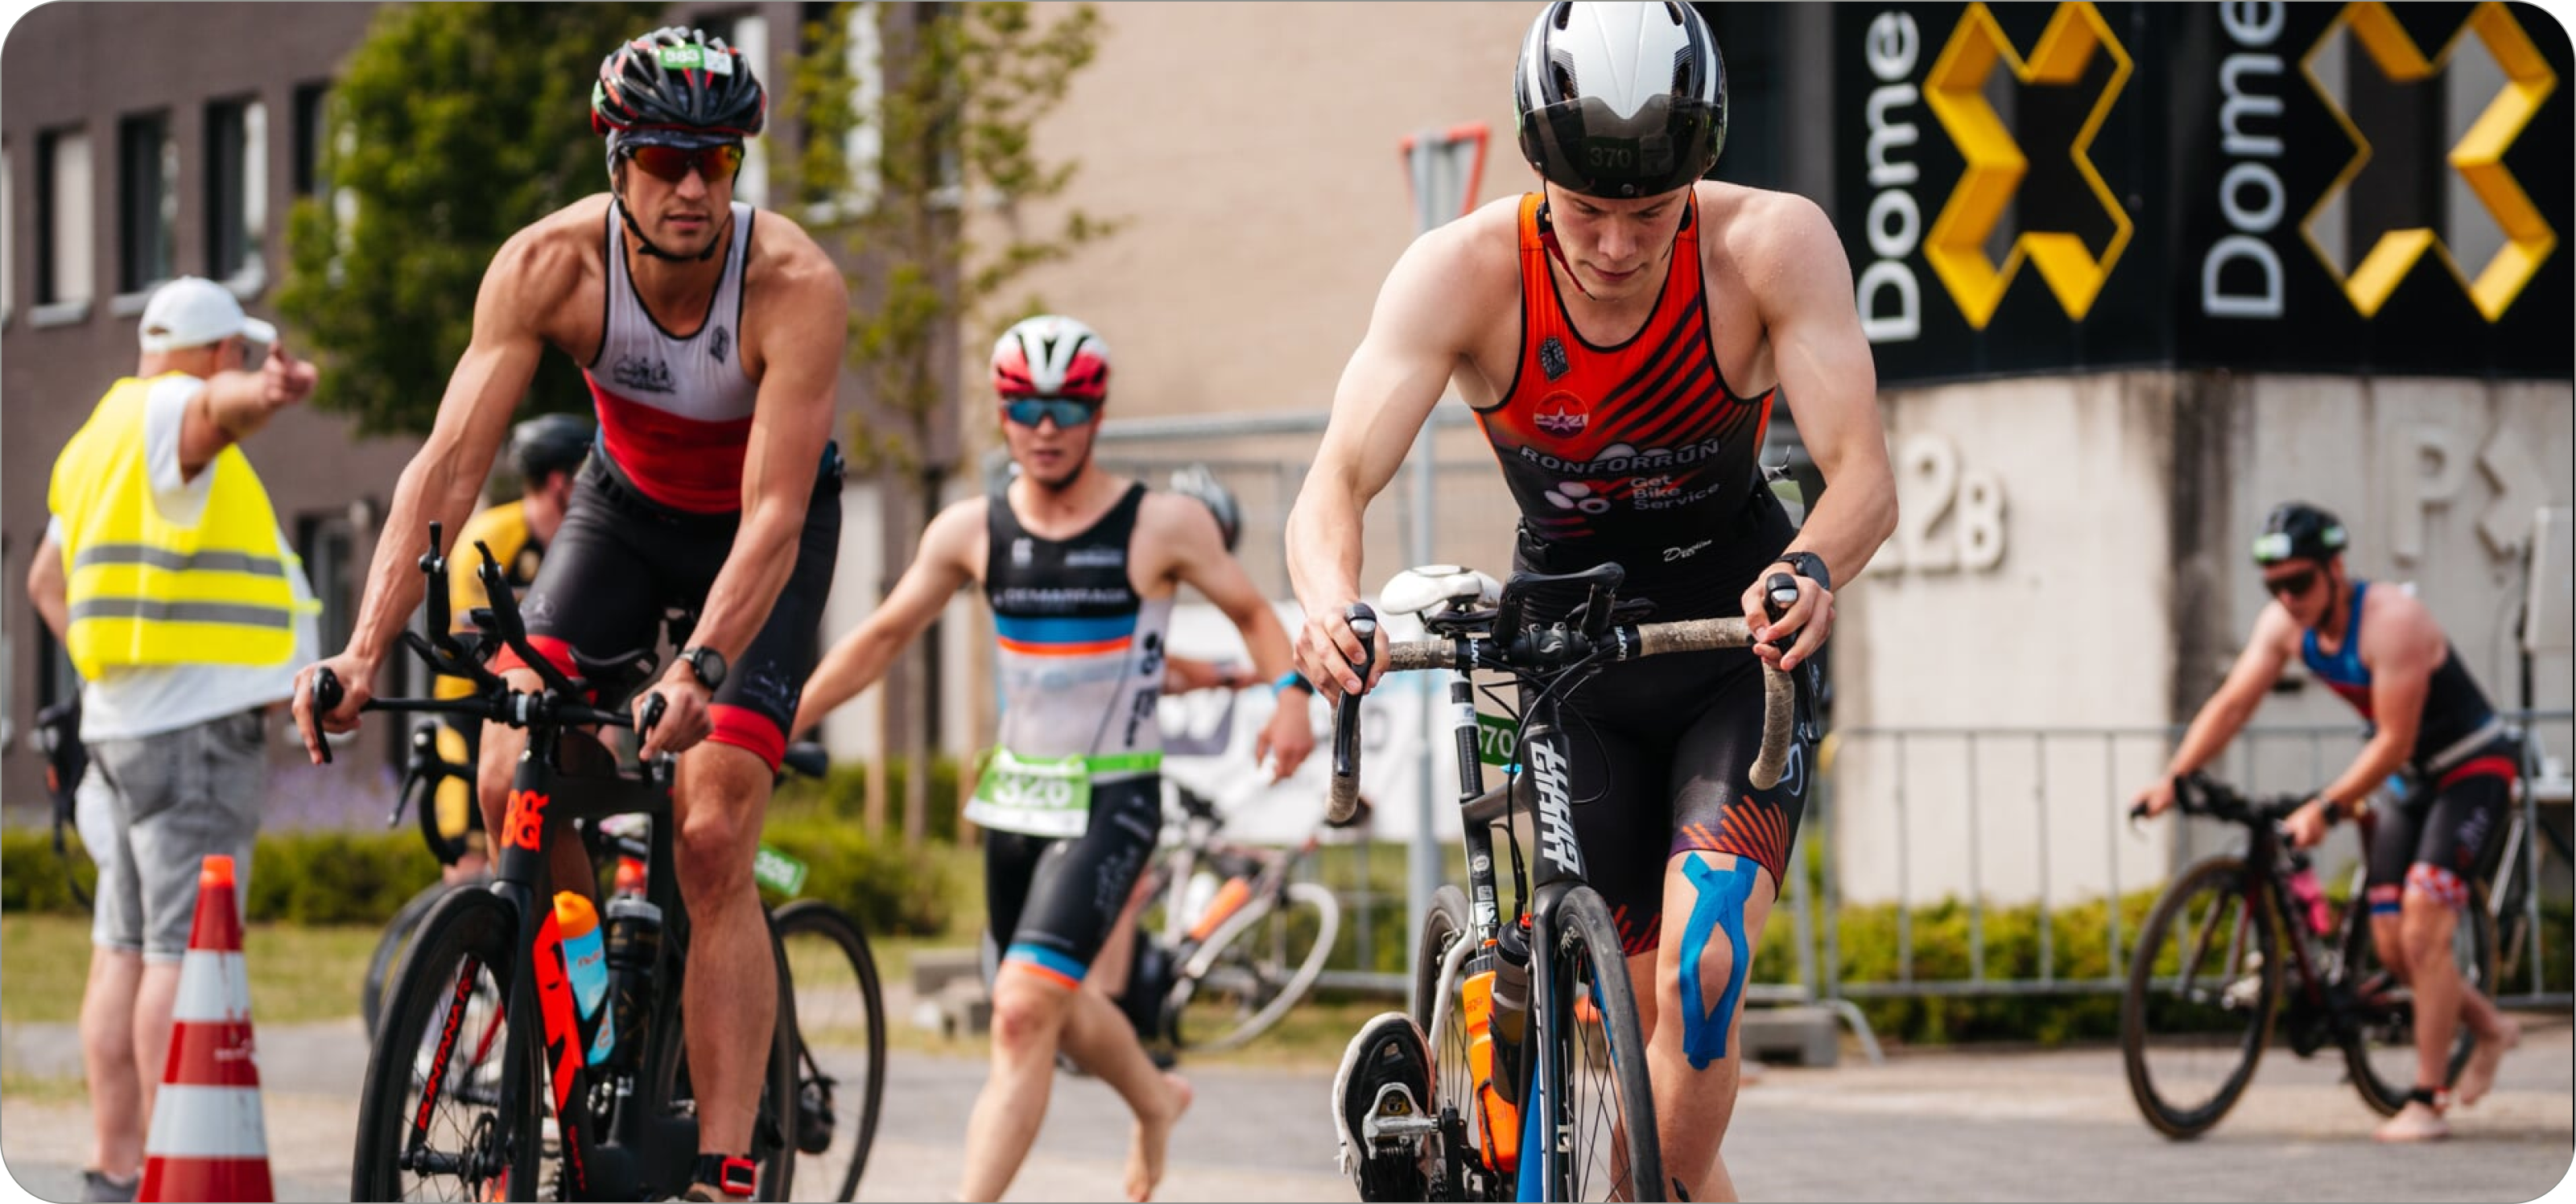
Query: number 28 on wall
1949	518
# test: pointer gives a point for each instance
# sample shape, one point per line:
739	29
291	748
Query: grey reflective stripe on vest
184	612
163	558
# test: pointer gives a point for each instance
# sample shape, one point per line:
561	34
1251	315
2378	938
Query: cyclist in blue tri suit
2380	650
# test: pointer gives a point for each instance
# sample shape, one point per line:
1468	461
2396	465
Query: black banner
2030	188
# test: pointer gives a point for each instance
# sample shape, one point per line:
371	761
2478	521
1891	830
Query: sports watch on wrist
1809	566
707	663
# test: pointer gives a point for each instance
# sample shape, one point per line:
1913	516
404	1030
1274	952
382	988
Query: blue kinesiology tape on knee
1722	894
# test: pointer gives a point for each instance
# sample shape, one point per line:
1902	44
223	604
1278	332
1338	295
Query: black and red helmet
677	87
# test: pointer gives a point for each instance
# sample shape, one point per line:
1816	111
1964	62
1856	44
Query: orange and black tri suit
1641	453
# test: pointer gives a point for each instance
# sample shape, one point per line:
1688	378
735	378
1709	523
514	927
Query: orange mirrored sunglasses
713	164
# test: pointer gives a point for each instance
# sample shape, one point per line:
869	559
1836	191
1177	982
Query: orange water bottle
1497	1115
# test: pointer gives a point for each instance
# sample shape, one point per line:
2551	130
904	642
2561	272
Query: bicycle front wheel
1608	1110
2380	1048
389	947
2203	988
840	1046
433	1123
1461	1169
1259	963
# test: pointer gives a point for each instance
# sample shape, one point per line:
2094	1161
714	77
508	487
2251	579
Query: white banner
1391	742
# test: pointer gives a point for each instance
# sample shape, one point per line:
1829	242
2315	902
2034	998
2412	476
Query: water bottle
1497	1113
2303	887
586	964
634	944
1511	986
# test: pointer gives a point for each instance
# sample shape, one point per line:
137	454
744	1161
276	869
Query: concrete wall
2121	591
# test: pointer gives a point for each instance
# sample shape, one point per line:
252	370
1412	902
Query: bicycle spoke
2200	1003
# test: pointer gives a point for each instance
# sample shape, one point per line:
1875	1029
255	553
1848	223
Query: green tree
452	126
953	107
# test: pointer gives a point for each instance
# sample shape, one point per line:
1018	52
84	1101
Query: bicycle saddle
1416	590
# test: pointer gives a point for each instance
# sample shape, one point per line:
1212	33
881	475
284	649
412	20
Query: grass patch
43	1089
297	975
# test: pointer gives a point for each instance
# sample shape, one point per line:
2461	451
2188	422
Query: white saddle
1418	590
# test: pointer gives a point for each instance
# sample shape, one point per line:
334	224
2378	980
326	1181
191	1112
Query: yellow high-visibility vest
146	591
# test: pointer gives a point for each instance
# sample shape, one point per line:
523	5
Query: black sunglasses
2296	585
1068	412
714	164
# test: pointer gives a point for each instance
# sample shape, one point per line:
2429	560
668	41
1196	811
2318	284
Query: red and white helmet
1051	356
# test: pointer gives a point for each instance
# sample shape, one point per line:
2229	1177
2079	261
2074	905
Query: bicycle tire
823	990
1459	1172
2143	1017
1587	960
773	1148
2382	1079
474	925
1277	986
389	946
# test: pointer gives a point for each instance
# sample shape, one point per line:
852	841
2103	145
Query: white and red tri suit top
675	410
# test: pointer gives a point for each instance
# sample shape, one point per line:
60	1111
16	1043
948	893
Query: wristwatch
707	663
1809	566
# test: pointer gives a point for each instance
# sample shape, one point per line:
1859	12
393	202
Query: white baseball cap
193	311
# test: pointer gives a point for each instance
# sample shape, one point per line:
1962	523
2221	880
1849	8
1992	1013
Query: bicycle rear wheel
840	1047
1608	1112
445	1038
1259	963
2204	986
2380	1050
773	1131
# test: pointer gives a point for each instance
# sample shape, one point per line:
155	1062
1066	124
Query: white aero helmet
1621	99
1051	356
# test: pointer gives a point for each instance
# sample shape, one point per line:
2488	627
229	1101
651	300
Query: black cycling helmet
2299	531
1621	100
550	443
677	87
1198	482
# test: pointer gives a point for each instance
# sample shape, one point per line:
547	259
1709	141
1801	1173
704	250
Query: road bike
1241	942
487	1079
2245	943
1564	1112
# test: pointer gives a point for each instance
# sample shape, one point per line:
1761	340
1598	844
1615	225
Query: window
236	191
326	542
147	201
863	144
63	232
309	115
8	293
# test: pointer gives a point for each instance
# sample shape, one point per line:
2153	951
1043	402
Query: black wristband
1809	565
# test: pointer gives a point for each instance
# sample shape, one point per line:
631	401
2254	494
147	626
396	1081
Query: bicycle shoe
1378	1112
719	1177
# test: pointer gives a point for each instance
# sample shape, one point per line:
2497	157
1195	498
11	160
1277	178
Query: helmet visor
1581	144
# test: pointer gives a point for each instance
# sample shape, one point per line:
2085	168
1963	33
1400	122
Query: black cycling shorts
2441	839
1052	901
621	560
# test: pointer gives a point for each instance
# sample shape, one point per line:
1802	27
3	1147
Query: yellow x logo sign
2478	157
1955	92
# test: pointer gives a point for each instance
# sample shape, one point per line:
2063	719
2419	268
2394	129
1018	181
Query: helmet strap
1547	237
617	190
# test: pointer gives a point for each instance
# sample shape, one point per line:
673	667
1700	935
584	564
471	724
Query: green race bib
1034	796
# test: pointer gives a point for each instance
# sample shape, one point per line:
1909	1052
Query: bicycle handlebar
1558	647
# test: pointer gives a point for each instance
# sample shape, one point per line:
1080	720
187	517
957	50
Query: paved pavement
1978	1125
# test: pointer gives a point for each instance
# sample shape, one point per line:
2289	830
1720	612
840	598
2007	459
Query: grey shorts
177	797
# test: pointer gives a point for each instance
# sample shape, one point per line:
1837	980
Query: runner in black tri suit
1623	334
2381	651
711	336
1079	568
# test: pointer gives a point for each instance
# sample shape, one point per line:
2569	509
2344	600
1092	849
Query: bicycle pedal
1395	1120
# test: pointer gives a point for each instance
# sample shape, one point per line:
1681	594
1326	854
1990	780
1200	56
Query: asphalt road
1976	1125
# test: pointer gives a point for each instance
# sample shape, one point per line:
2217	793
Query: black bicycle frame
645	1147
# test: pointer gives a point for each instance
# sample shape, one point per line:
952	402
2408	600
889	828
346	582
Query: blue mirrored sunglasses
1068	412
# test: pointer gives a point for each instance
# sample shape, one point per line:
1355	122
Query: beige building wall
1252	150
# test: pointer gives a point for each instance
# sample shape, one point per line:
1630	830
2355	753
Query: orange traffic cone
208	1141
